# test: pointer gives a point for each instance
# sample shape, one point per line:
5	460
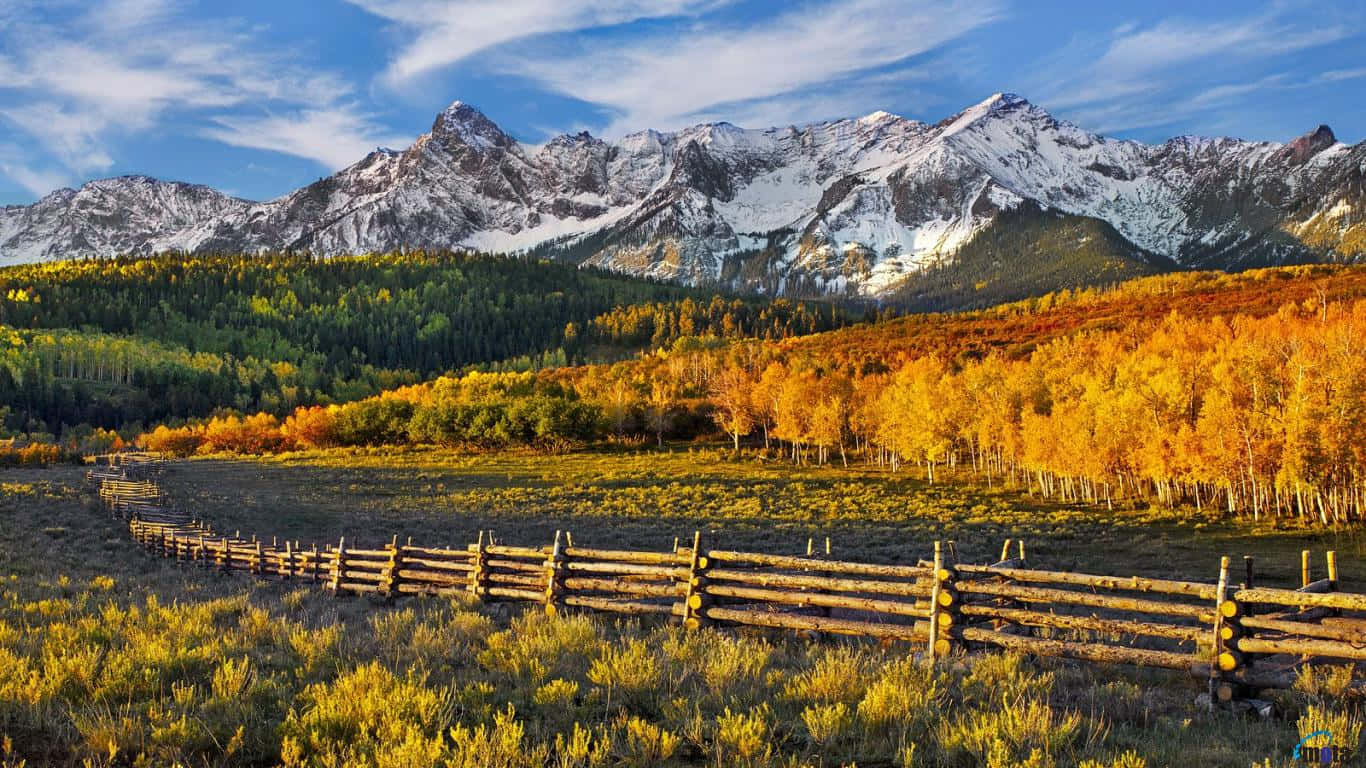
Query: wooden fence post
477	569
260	562
287	565
553	575
944	604
389	579
1225	631
1304	568
694	601
1332	557
339	564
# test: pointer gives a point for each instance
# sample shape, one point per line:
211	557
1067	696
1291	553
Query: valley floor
112	657
644	499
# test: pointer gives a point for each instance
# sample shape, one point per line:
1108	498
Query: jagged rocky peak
1305	147
465	124
852	205
996	104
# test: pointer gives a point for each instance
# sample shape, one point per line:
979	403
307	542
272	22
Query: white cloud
667	79
1338	75
444	33
38	181
121	67
1176	69
73	137
333	137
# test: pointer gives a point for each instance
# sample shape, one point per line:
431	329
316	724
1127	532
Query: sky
259	97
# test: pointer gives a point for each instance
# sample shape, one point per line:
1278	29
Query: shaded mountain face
855	207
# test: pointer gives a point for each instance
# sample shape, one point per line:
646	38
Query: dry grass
108	657
645	499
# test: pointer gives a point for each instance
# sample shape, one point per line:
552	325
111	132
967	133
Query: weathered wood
1070	597
1325	630
834	566
358	587
694	579
1343	600
1224	662
1129	583
830	584
657	571
935	649
437	565
458	554
554	565
514	565
378	555
391	569
871	605
427	588
493	577
432	577
1111	654
630	607
757	618
622	586
534	595
338	564
478	568
1297	646
646	558
1033	618
536	553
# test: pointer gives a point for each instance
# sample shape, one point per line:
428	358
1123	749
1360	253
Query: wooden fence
1240	637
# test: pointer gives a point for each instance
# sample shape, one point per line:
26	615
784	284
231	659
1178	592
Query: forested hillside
1029	252
110	343
1244	393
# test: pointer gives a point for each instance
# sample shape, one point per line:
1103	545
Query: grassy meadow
644	499
111	658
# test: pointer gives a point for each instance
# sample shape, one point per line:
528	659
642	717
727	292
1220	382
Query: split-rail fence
1241	637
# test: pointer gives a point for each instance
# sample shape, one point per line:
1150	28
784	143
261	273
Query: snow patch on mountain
849	205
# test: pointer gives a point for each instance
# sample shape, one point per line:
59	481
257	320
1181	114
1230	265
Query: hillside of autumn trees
1243	394
106	344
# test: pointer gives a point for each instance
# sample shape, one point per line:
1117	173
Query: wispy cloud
15	165
668	78
443	33
1169	71
124	67
333	137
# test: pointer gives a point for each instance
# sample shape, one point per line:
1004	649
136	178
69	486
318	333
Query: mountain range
861	207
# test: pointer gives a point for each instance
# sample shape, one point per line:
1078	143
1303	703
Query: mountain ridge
856	206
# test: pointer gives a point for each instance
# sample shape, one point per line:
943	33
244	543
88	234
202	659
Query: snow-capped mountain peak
852	205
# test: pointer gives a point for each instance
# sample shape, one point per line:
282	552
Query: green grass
644	499
110	657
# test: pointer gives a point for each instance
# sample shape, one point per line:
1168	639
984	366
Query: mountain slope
111	216
854	207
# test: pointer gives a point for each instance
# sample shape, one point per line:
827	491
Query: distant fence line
1240	637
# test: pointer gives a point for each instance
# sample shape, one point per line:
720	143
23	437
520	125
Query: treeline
120	342
1252	413
479	410
659	324
1262	416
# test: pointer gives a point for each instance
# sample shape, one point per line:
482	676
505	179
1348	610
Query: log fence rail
1239	637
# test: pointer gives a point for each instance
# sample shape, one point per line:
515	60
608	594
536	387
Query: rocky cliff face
851	206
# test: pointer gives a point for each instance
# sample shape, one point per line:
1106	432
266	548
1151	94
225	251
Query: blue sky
258	97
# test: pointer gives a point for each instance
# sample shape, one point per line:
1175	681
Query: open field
109	655
644	499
